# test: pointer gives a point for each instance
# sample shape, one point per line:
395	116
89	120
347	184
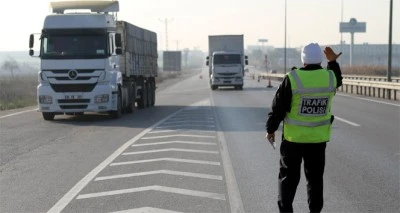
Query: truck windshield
56	46
227	59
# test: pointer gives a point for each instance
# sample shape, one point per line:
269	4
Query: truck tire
149	94
239	87
48	116
117	113
130	108
153	92
213	87
142	103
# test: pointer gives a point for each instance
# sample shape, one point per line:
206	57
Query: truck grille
73	106
73	101
80	71
72	87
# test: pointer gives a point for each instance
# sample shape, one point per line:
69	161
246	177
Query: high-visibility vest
309	119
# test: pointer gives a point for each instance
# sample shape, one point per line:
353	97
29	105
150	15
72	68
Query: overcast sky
191	21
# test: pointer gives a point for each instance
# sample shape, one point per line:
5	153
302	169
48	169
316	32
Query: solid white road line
175	142
346	121
179	160
235	200
157	172
178	135
146	210
155	188
18	113
66	199
171	150
371	100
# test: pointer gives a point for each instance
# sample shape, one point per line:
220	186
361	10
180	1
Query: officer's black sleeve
280	106
334	66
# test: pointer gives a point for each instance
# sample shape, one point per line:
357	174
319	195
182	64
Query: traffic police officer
303	102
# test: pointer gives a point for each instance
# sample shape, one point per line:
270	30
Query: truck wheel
142	103
239	87
214	87
149	95
117	113
48	116
153	93
130	108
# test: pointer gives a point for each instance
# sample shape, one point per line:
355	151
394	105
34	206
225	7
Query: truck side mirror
207	63
245	57
118	51
246	62
31	40
118	40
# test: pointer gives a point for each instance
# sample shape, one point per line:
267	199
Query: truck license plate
68	97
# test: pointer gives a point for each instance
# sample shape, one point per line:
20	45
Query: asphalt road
197	150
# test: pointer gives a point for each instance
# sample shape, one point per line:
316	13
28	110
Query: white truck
91	62
226	61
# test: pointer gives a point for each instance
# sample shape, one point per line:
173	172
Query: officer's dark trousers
292	155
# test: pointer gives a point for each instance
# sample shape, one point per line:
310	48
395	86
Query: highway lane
362	171
41	161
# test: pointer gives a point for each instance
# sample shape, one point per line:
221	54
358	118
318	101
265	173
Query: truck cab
226	69
226	61
88	63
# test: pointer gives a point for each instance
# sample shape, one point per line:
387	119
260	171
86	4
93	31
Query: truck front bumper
101	99
227	81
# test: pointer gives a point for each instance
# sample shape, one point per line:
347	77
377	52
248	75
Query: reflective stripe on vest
301	90
309	119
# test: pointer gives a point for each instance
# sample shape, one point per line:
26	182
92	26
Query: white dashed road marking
346	121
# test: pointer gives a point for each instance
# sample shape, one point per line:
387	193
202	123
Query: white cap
311	54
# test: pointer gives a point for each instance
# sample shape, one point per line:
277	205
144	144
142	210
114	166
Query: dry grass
17	92
377	70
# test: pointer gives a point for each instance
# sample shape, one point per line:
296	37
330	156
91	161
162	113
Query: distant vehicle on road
226	61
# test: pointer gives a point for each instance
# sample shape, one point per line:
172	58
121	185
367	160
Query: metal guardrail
380	89
370	78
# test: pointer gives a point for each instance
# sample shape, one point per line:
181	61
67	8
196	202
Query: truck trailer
92	62
226	61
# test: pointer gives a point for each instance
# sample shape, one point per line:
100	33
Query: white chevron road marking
170	150
157	172
179	160
195	193
178	135
175	142
146	210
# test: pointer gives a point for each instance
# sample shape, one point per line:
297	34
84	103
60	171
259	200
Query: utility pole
284	69
177	44
165	22
341	35
389	73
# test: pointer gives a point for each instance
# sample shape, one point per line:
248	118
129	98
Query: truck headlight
45	99
43	77
104	98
